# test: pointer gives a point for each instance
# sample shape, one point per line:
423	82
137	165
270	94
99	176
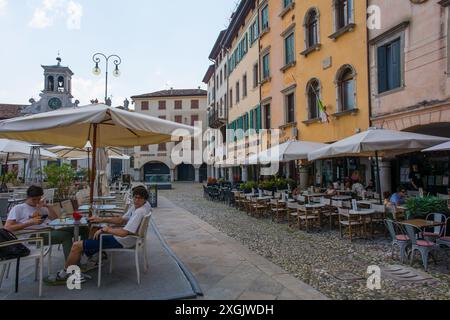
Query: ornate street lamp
97	71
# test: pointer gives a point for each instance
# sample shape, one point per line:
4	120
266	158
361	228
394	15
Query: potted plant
212	181
61	178
419	208
281	184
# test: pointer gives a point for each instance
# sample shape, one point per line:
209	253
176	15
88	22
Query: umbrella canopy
285	152
101	181
104	126
74	126
80	154
377	142
442	147
18	150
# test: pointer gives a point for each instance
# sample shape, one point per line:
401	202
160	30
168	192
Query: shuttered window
389	66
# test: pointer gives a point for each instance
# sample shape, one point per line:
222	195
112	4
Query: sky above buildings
162	44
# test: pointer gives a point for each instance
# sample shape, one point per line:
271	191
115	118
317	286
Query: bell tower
57	92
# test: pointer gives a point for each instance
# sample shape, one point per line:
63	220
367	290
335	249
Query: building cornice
400	27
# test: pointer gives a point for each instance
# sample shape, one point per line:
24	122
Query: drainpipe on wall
369	86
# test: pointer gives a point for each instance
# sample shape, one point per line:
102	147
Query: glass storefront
434	170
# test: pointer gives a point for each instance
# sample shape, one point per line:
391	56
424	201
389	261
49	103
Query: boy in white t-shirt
117	237
33	212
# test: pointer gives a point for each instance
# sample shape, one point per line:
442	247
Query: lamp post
96	71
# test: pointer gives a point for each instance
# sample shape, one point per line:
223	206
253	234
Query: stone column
304	177
230	174
138	176
244	174
287	170
197	174
222	173
209	173
216	173
385	176
172	175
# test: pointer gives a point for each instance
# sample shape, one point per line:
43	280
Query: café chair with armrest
141	246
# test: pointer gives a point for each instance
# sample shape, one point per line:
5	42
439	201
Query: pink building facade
410	79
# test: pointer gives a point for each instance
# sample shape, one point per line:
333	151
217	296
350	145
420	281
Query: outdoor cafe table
62	223
103	199
367	203
341	198
421	224
344	191
98	207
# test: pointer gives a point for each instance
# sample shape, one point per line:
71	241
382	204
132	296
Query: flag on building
323	112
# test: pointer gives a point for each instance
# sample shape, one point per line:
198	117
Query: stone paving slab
225	269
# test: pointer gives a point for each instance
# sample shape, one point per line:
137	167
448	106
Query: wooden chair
308	217
260	208
329	211
379	218
292	213
278	210
301	199
349	222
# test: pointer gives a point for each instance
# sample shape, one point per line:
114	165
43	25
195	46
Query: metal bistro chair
425	247
437	231
399	238
141	245
444	241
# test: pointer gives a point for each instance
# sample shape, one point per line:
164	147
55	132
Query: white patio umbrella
19	150
285	152
375	143
81	154
104	126
441	147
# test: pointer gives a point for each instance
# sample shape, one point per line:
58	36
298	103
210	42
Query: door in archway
186	172
203	173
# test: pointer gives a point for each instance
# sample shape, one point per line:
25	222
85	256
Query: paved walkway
224	268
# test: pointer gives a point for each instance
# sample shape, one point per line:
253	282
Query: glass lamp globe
116	73
96	71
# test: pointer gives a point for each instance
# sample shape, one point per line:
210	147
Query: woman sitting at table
116	238
33	212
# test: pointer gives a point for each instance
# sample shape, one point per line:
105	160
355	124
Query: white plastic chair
49	195
141	245
36	254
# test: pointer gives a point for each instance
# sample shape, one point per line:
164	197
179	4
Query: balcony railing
217	117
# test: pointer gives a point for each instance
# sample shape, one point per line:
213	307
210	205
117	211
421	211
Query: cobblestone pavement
335	267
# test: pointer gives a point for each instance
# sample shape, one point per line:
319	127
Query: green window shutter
395	65
382	69
258	118
252	125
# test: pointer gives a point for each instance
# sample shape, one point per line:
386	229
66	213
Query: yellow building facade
331	63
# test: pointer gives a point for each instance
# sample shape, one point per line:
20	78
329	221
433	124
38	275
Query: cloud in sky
49	11
86	89
3	7
74	13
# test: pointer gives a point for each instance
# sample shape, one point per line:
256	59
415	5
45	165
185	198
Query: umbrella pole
93	173
378	177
